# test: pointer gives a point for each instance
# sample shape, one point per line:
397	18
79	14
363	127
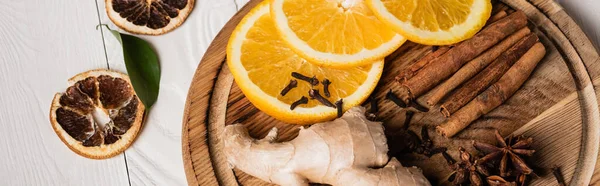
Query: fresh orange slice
433	22
336	34
262	64
99	115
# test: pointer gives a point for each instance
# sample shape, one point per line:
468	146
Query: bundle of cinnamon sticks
480	73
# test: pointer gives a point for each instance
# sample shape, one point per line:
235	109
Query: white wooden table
43	43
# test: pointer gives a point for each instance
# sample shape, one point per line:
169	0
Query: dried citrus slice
433	22
262	65
99	115
336	34
150	17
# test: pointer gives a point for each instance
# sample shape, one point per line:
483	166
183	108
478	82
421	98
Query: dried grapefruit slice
150	17
99	115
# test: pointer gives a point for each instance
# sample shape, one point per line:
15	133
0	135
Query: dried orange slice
262	65
99	115
337	34
149	17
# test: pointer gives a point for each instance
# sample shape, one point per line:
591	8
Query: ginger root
350	150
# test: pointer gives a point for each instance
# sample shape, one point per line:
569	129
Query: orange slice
262	64
99	115
338	34
149	17
433	22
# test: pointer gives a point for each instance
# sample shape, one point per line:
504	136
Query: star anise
507	153
468	170
499	181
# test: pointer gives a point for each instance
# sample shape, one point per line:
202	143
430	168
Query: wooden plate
557	106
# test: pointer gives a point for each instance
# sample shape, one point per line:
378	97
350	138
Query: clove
293	84
427	147
559	177
408	118
313	81
301	101
374	107
373	110
435	48
391	96
449	159
340	108
418	106
313	93
326	84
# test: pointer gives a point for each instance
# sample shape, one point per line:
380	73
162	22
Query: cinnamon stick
496	17
474	66
447	64
499	7
410	71
487	76
496	94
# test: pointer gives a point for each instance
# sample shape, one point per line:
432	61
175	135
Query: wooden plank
155	158
43	43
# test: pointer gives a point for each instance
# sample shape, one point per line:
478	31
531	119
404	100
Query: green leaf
142	66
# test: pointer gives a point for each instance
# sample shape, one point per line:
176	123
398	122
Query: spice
487	76
313	93
326	84
499	181
313	81
408	118
507	152
374	107
340	108
444	66
497	7
371	114
426	146
412	69
467	170
293	84
497	16
559	177
418	106
475	66
403	140
391	96
301	101
496	94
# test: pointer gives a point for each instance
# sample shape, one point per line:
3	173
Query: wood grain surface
37	56
560	87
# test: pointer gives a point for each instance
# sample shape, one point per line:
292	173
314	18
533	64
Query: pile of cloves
312	93
407	141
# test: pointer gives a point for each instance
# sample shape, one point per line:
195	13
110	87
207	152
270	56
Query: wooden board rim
547	14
